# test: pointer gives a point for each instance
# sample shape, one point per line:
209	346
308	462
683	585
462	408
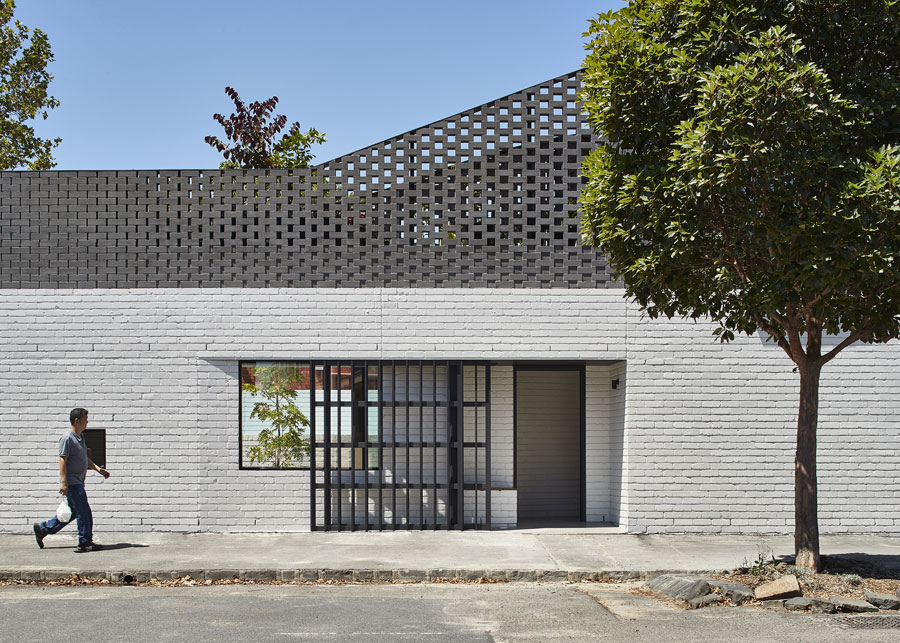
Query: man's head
78	418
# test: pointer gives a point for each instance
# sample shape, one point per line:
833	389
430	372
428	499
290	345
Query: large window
275	415
389	444
281	401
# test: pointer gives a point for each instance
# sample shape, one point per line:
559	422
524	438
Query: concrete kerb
523	557
314	575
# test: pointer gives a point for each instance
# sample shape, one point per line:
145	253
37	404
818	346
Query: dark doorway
549	441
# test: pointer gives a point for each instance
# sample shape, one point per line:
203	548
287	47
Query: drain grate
880	622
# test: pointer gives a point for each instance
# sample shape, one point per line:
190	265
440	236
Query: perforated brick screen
485	198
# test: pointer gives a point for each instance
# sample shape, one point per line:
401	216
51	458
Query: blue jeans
81	511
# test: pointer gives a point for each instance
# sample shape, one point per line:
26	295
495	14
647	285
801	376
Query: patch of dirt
671	601
181	581
839	577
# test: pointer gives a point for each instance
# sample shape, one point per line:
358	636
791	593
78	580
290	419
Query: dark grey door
548	444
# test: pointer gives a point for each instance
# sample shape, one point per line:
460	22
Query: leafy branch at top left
23	93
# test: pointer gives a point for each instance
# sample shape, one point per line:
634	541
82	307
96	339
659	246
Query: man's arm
103	472
63	485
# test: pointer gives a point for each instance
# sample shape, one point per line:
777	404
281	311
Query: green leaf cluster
749	170
283	443
294	149
24	82
252	131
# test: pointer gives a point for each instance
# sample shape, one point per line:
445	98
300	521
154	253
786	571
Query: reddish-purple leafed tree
252	131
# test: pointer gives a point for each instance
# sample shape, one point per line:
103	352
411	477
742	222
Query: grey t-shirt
73	448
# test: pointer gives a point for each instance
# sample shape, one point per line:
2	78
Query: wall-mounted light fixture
615	383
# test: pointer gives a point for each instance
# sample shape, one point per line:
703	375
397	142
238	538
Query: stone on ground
681	587
822	606
884	601
784	587
852	605
798	604
735	592
705	601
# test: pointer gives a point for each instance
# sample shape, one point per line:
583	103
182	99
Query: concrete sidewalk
533	554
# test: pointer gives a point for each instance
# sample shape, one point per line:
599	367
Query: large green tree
751	176
23	93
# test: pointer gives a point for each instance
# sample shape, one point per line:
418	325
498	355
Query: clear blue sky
138	82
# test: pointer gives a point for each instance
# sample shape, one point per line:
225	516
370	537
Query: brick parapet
484	198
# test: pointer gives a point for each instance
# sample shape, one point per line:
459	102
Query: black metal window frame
328	482
242	465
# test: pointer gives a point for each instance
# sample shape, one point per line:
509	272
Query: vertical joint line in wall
627	322
381	323
624	487
199	369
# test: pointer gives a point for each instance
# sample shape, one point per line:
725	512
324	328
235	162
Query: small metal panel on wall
95	439
400	444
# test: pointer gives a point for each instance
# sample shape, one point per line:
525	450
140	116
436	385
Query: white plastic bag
63	511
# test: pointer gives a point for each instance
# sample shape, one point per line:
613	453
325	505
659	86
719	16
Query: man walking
73	465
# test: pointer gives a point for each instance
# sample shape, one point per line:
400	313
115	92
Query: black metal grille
877	622
400	445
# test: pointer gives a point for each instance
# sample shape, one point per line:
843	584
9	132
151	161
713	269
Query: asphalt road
419	612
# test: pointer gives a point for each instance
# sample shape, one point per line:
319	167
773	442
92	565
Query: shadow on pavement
105	547
884	566
122	546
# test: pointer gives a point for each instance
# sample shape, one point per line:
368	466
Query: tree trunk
806	517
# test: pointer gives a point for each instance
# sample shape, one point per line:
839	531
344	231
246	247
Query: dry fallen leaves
188	581
818	585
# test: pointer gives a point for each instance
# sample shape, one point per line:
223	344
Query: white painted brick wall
708	430
502	429
604	442
710	434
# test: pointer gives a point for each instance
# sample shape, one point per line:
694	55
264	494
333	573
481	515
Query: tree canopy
253	130
751	175
24	56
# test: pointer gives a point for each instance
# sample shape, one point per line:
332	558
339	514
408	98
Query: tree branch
735	261
852	337
774	332
813	339
886	288
807	309
793	334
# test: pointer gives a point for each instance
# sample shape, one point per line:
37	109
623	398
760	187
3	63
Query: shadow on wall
227	367
827	340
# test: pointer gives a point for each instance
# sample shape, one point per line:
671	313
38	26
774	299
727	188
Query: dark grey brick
504	212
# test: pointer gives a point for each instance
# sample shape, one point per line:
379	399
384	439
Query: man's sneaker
88	546
39	535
